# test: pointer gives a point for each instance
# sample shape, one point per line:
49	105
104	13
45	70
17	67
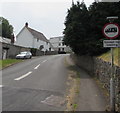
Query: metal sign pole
112	79
112	83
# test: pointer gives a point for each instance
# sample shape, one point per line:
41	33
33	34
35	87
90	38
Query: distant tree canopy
83	26
6	28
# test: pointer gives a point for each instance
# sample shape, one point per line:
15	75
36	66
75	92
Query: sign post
111	31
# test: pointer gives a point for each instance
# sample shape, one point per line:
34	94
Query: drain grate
54	101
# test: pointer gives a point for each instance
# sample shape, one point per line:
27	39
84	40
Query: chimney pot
26	24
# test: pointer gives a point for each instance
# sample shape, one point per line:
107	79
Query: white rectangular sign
111	43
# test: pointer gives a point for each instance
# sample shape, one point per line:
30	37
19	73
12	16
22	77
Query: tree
7	29
98	13
83	27
76	27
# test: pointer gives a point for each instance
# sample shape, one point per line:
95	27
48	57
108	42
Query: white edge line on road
44	61
23	76
37	66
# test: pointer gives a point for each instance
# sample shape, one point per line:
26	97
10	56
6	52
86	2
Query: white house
59	45
31	38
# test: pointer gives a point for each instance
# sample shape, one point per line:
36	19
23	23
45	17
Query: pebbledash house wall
101	70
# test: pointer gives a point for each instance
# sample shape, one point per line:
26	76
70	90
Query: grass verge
73	84
107	56
8	62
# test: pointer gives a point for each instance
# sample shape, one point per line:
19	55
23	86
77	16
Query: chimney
26	24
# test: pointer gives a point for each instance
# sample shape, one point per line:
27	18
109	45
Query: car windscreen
23	53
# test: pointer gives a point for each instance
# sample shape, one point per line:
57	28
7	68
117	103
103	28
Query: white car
24	55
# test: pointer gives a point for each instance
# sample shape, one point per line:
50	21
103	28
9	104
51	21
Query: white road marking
23	76
1	86
44	101
37	66
44	61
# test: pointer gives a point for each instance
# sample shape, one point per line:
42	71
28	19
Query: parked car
61	52
24	55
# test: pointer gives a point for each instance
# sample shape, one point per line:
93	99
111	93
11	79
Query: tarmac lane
38	84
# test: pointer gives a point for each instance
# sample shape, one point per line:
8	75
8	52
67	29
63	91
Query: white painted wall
52	49
25	39
37	44
55	41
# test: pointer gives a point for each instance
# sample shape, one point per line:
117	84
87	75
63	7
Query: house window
37	39
59	44
62	49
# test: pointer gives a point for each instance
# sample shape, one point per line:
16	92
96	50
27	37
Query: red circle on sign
113	36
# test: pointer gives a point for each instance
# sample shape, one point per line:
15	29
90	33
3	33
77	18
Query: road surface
38	84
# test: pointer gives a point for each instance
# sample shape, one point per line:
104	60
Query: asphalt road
38	84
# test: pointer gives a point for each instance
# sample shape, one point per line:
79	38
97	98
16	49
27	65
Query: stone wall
40	53
13	50
51	53
102	71
85	62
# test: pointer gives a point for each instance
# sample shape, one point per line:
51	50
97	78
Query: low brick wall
102	71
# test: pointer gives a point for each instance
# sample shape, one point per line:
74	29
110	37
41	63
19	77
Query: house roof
37	34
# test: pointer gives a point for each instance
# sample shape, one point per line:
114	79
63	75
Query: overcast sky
46	16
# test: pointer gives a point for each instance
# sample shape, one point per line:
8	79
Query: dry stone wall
102	71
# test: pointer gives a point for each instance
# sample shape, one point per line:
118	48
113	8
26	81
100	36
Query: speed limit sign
111	30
